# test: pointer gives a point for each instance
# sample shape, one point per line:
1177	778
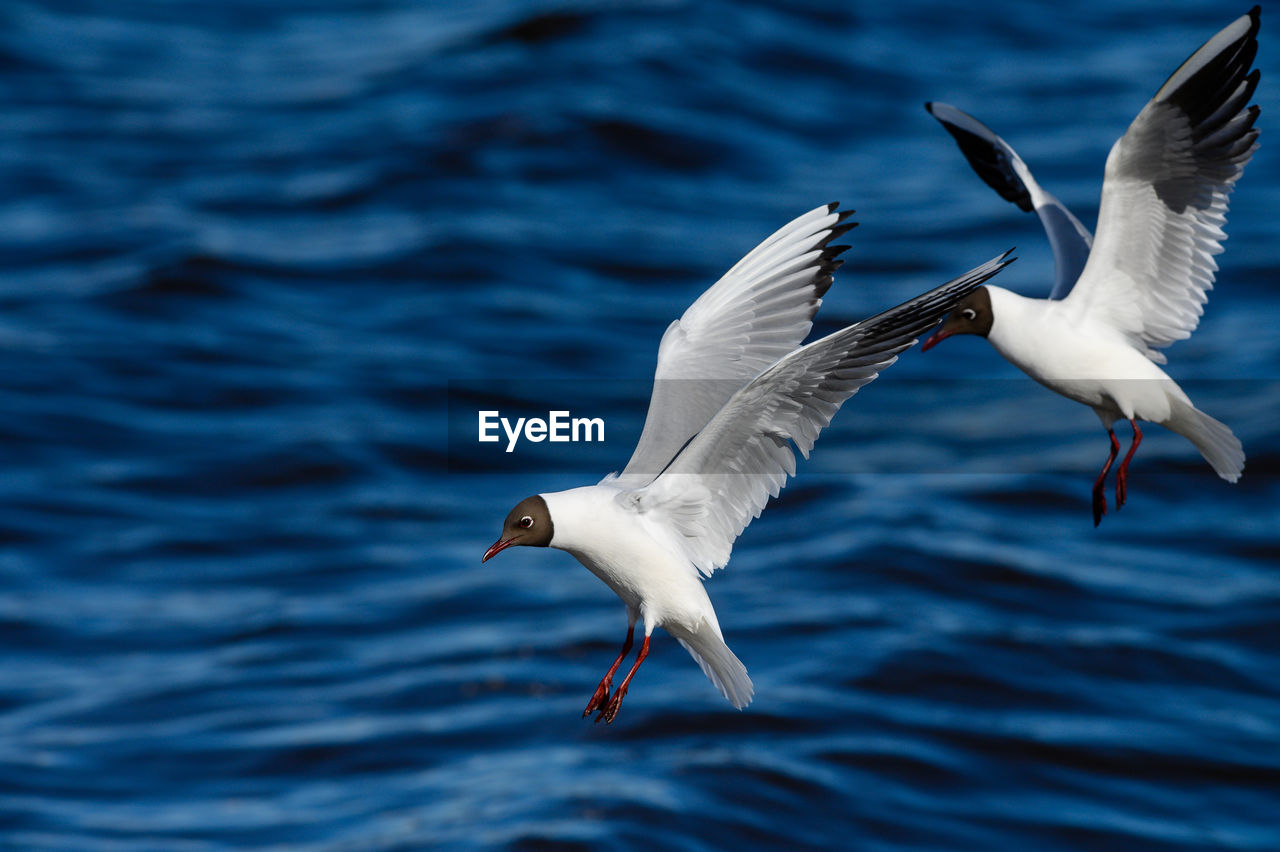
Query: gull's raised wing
1164	200
724	477
1003	170
760	310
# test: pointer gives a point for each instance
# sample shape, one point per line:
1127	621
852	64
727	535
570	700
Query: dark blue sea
262	263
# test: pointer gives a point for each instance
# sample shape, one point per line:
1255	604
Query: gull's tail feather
718	663
1215	440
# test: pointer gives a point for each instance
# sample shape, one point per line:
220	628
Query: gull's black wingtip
1000	261
834	233
1214	89
840	230
834	207
830	261
988	155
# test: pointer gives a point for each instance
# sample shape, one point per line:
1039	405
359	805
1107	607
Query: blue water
256	256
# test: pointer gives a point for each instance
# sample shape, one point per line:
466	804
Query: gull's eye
526	522
969	314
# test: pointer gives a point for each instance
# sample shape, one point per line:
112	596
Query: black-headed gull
1142	283
731	393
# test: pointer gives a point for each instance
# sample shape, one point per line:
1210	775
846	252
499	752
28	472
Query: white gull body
733	393
639	555
1141	283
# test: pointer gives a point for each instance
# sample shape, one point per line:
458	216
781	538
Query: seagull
733	391
1141	284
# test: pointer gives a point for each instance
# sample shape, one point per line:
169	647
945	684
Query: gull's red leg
606	683
1122	477
1099	495
615	703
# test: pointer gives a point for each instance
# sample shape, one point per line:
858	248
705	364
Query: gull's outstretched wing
724	477
758	312
999	165
1164	200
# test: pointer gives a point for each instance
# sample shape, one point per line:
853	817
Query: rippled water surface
258	257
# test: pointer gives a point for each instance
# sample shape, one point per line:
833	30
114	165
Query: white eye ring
969	314
526	522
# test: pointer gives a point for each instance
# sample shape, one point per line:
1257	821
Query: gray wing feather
760	310
1165	197
726	475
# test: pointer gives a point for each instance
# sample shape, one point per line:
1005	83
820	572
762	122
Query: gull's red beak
936	338
498	547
